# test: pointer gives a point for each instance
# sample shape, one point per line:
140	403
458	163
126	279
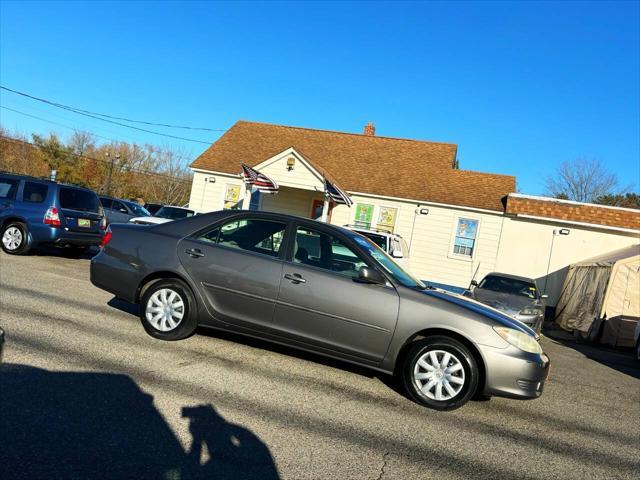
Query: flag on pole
336	194
263	184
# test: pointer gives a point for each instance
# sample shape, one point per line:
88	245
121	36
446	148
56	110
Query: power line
99	116
84	157
56	123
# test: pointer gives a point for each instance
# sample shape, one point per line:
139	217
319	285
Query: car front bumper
510	372
532	321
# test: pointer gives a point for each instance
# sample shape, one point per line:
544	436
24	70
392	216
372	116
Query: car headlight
530	311
519	340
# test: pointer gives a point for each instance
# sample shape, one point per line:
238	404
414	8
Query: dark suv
121	211
35	212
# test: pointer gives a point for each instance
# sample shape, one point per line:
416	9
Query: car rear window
174	213
8	188
35	192
78	199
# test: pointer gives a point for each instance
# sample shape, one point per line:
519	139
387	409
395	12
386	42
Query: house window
364	215
387	218
231	197
465	240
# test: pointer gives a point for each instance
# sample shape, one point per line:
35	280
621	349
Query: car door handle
194	252
295	277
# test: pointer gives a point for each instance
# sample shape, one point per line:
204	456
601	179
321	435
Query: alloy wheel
439	375
165	309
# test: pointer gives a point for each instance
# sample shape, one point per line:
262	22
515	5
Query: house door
316	209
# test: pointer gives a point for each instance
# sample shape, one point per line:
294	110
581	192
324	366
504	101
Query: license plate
84	222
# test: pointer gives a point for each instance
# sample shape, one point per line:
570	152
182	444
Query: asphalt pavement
85	393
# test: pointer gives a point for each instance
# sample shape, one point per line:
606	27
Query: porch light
290	163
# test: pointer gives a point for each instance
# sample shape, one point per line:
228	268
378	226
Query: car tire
14	238
440	372
168	310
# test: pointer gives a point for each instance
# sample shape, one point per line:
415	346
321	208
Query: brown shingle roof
360	163
573	211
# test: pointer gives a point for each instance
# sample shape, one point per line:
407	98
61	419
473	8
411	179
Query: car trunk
80	221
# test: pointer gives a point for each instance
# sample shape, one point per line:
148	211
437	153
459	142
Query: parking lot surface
85	393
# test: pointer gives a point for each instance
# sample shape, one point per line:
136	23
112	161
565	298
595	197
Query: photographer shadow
95	425
222	450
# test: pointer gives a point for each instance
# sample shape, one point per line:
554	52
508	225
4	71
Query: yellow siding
209	197
300	176
431	239
291	201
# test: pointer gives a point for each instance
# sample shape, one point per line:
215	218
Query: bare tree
582	180
173	184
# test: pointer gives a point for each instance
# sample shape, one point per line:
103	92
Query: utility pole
111	164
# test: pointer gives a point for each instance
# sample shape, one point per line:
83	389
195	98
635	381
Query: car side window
252	235
119	206
325	251
106	202
34	192
8	188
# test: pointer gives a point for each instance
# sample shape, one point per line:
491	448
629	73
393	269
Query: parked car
636	337
118	210
392	243
34	212
516	296
1	344
152	208
164	215
320	288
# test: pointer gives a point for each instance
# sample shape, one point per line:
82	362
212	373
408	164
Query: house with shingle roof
454	221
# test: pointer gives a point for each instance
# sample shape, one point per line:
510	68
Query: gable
300	175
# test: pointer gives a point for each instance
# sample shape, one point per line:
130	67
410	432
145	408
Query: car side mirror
474	283
397	254
544	296
370	275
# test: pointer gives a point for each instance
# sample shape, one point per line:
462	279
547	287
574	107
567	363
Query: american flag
335	194
259	180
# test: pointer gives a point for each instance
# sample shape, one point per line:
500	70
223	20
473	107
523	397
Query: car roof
510	276
31	178
372	230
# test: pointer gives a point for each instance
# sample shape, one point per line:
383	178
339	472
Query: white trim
426	202
299	158
580	224
211	172
572	202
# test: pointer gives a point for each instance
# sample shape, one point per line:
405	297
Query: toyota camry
319	288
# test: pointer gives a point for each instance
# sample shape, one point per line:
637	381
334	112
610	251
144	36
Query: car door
322	304
238	268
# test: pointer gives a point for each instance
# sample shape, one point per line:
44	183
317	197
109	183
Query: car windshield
138	210
510	286
174	213
78	199
379	240
387	263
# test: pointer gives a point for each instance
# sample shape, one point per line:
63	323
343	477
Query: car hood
485	310
506	302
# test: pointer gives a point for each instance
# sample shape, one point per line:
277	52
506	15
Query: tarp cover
603	289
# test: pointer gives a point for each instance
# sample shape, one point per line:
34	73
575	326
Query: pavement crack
384	465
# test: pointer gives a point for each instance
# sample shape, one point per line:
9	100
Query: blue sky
520	87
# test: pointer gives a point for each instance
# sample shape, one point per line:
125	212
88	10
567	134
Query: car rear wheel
440	373
14	238
167	310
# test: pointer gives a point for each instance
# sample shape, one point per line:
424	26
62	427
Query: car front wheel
440	373
168	310
14	238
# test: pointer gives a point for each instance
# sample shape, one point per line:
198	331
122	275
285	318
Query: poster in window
364	214
231	196
467	228
387	218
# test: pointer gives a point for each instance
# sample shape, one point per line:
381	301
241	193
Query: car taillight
106	238
52	217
